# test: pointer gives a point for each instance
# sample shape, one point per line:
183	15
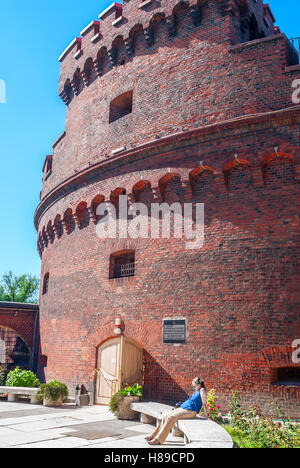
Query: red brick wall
239	293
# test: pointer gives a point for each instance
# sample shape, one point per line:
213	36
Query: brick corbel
129	46
171	25
149	36
278	356
56	230
66	226
92	214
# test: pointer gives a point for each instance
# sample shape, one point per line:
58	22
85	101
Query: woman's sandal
149	438
154	442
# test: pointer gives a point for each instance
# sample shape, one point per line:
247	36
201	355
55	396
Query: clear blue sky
34	34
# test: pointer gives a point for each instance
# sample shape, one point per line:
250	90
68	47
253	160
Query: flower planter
125	411
53	403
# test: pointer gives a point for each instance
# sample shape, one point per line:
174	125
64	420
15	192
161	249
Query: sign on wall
174	331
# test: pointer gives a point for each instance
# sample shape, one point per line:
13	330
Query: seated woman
187	410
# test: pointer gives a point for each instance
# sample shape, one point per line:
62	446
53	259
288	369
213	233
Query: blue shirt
194	403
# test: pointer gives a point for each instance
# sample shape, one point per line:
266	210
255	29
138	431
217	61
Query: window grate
128	269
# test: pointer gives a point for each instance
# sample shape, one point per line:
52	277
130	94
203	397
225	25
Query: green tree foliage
22	288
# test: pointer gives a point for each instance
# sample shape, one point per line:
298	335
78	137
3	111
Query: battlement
236	22
276	171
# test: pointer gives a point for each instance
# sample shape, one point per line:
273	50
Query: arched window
122	264
68	92
89	72
46	283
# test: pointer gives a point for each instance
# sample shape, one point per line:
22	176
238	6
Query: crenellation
93	28
114	8
84	45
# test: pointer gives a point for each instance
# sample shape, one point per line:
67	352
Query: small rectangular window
120	106
289	376
122	265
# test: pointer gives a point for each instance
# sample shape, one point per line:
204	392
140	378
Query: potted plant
53	393
120	403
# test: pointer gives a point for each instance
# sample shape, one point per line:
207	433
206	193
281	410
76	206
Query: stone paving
31	426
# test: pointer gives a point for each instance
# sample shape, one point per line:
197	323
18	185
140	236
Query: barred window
122	264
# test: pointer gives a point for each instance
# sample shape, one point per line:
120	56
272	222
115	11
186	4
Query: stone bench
14	392
199	432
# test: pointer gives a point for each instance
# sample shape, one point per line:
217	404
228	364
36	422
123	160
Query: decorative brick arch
132	330
278	168
238	174
278	356
170	186
201	178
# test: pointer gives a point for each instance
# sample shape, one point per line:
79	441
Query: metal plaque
174	331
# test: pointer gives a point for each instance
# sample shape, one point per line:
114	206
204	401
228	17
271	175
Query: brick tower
187	102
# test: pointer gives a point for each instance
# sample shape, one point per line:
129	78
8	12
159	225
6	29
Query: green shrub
22	378
2	376
117	398
53	390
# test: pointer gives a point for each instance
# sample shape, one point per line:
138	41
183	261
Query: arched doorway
119	362
13	350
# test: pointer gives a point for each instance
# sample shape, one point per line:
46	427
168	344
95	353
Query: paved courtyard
31	426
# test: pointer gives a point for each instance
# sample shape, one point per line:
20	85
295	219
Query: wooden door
131	364
108	381
120	363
